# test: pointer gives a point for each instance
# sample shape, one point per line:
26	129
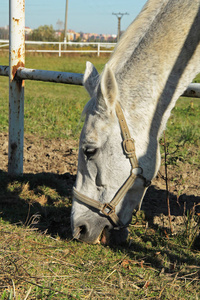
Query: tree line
42	33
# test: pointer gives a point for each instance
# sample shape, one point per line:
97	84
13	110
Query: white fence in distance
98	47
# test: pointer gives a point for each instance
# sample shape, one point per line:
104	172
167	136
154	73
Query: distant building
28	30
4	32
77	36
71	35
58	33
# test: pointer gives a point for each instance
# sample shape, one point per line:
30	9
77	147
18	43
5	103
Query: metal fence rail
43	75
98	47
193	89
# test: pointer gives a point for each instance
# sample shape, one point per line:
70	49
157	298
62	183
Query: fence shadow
43	200
155	203
30	201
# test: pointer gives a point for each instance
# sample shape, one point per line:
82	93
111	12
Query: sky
89	16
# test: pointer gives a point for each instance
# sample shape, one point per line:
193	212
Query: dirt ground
60	157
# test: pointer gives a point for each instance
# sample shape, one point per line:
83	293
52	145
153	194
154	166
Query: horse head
105	171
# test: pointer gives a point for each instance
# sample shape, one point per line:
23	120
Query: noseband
108	209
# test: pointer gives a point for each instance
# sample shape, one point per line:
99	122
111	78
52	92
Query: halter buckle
110	209
129	146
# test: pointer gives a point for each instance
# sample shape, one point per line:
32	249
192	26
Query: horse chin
105	236
115	236
118	236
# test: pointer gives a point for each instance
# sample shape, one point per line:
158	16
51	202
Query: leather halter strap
108	209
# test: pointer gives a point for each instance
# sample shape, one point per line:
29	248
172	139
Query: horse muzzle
98	231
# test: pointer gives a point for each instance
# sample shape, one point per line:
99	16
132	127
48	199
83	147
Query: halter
108	209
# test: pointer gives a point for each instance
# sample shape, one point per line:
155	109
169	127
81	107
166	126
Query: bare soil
60	158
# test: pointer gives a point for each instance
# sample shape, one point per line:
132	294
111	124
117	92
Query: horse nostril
83	230
80	232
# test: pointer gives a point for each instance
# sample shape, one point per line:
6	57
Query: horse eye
90	152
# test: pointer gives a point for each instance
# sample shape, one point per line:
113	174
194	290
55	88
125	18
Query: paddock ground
59	157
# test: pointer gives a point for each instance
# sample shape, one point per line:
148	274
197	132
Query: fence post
98	50
16	86
59	49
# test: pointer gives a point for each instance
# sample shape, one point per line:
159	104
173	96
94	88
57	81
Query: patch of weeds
188	134
181	150
190	235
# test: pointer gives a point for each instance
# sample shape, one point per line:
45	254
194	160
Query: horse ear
109	88
90	78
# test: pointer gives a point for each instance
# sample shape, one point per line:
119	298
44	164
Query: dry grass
35	265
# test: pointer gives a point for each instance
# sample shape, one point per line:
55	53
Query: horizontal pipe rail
50	76
4	45
4	70
43	75
193	89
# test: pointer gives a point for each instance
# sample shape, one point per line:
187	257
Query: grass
183	133
52	110
45	266
39	259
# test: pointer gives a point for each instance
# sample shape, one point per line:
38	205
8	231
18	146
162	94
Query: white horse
156	59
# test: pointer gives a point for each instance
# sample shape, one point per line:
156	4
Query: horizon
70	30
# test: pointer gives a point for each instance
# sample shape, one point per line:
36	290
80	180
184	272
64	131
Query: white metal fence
69	47
18	73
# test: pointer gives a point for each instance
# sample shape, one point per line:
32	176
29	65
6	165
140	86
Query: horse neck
155	71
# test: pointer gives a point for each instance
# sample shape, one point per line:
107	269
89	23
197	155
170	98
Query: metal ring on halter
107	209
137	171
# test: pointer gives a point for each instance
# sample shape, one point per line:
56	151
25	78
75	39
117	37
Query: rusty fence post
16	86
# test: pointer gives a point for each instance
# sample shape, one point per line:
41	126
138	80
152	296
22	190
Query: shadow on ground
155	203
44	200
38	200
